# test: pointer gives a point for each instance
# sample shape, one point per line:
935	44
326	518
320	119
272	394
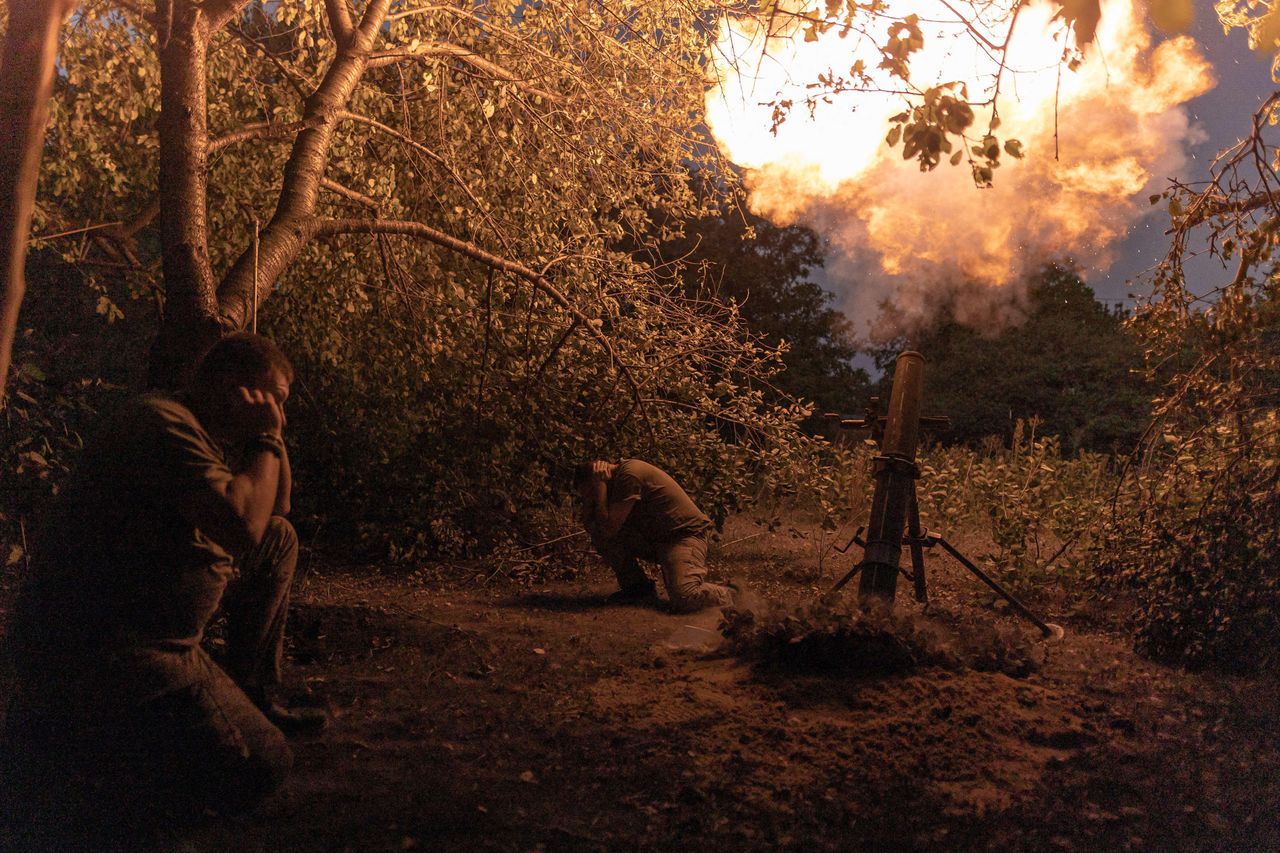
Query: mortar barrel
902	426
895	481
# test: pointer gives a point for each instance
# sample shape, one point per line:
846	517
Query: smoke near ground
1098	139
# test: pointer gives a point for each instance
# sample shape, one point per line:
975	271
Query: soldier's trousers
684	570
142	728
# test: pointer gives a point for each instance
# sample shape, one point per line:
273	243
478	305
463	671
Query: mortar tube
895	476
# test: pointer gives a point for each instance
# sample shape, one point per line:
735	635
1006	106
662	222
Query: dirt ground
509	717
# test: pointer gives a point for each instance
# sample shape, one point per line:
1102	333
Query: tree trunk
190	323
26	82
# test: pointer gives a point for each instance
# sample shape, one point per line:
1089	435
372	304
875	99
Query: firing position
177	501
635	511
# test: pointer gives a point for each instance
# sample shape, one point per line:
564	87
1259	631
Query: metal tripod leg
853	573
1046	628
914	533
844	580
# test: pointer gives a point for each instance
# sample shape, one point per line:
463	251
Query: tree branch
430	50
26	83
422	10
262	130
349	194
1211	207
339	21
286	233
419	147
295	80
347	115
321	228
219	12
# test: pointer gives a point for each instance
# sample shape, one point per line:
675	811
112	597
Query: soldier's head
581	474
240	360
587	474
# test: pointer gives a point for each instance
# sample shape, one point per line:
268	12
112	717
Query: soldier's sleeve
626	486
185	458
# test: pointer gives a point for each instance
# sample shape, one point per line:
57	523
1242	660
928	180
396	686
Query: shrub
1034	502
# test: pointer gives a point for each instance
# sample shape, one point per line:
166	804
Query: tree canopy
440	195
734	256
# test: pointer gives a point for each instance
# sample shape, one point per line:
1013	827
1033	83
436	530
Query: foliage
449	431
1070	365
734	255
1215	598
441	398
942	121
1194	534
1034	503
68	369
1194	528
1035	509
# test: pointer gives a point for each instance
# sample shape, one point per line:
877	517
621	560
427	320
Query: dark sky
1244	81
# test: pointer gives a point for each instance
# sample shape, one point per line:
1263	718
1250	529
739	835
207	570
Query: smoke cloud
1098	141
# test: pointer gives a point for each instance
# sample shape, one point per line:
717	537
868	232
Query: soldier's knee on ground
262	774
692	593
211	747
687	596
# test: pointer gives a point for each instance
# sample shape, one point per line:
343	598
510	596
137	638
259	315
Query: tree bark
26	83
191	322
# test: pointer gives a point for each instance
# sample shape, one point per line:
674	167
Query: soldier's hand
260	412
600	471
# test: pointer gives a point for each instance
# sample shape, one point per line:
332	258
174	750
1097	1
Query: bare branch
261	130
219	12
392	132
349	194
142	220
330	227
423	10
100	226
424	150
430	50
294	79
1211	207
375	15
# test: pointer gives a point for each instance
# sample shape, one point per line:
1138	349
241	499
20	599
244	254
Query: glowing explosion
917	239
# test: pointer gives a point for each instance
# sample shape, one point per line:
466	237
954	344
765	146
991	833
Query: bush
74	356
444	421
1034	502
1196	535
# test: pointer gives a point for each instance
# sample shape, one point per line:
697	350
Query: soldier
635	511
176	501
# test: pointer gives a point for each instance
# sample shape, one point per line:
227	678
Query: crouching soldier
175	501
635	511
